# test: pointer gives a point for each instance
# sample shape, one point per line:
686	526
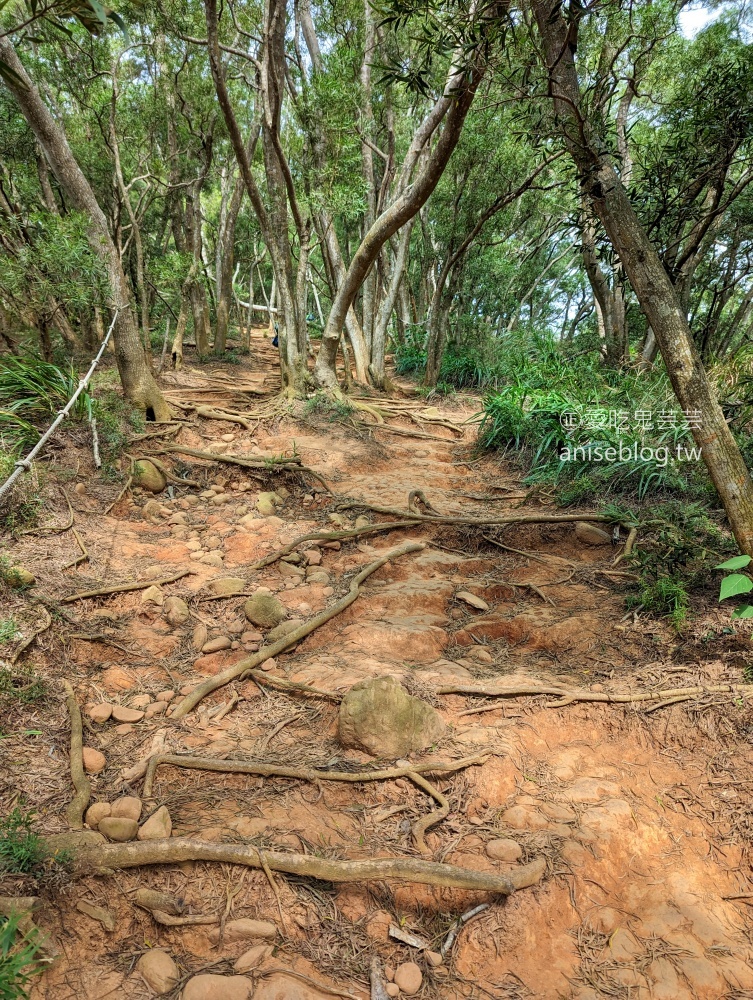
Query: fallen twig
459	924
121	588
75	811
219	680
103	858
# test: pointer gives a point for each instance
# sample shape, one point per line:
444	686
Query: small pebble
164	696
215	645
433	958
269	664
392	990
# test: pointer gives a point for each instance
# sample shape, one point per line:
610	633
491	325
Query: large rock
379	716
208	987
264	610
159	971
148	477
589	534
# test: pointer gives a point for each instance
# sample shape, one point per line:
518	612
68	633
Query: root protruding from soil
105	858
77	806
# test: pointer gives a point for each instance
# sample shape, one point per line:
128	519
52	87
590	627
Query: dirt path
644	818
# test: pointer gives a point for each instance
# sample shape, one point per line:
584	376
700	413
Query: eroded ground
643	817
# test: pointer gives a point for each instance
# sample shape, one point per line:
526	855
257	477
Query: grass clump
323	405
8	630
22	850
20	686
20	958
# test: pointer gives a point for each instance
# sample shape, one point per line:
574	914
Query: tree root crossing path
575	826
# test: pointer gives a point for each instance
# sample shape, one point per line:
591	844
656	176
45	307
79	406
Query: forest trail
641	816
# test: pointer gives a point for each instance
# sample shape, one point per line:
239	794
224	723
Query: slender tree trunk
387	305
225	263
453	107
647	276
139	385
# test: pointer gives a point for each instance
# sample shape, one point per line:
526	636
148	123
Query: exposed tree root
120	495
219	680
568	696
481	521
104	858
330	536
75	811
121	588
313	775
283	684
166	472
529	555
272	463
406	433
630	542
84	557
210	413
46	622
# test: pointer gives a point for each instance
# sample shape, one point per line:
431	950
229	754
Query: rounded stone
215	645
210	987
94	760
158	970
392	990
263	609
504	849
100	713
96	813
253	957
118	828
127	807
199	636
148	476
408	977
243	929
122	714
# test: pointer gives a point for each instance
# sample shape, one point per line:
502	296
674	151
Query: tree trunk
379	339
138	382
453	107
224	264
647	276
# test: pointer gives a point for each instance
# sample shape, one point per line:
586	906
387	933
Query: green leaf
117	19
737	562
743	611
735	584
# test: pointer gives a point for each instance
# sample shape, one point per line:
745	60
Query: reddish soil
644	817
